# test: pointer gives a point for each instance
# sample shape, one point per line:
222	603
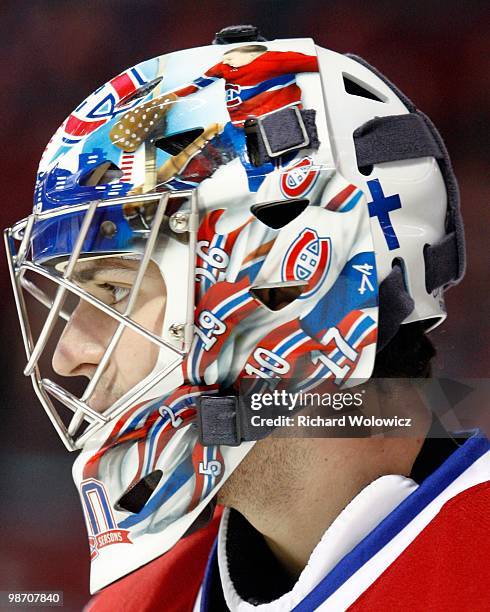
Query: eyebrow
88	274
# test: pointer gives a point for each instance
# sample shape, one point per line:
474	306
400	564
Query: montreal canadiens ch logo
232	94
101	106
307	260
299	178
103	529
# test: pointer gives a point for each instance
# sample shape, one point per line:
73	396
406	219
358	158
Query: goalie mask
215	214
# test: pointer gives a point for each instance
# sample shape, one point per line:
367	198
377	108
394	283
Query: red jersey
265	85
429	553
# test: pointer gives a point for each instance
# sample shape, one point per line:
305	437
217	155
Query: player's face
89	330
236	59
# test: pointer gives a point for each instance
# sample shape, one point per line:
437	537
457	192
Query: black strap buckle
268	131
281	132
219	420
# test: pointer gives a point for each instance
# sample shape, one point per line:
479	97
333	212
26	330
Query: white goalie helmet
233	173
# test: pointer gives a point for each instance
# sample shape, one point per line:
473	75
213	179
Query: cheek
136	356
150	314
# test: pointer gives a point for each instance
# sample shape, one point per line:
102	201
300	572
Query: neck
295	505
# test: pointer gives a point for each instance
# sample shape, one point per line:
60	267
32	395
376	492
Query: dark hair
407	355
248	49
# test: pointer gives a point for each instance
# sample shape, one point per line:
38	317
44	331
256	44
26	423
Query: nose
83	341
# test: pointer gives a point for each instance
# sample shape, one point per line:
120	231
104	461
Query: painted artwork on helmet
199	107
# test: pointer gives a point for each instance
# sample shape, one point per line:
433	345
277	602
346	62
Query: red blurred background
55	53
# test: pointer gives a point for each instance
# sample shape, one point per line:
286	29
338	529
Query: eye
118	293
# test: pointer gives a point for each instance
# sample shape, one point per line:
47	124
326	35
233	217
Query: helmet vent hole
366	170
101	175
279	213
141	92
136	497
173	144
354	88
277	298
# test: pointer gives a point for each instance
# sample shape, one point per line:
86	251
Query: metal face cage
20	261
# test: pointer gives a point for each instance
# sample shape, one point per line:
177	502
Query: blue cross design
380	207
